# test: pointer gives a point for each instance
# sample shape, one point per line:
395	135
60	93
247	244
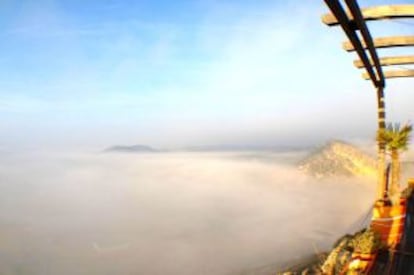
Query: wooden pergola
352	20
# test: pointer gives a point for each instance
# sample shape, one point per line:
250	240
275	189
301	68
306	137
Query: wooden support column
382	184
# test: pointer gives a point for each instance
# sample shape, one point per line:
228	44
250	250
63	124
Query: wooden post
382	184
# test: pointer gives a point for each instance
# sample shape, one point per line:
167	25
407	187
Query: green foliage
366	242
395	137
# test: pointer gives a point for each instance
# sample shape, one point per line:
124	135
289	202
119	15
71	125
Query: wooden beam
388	61
384	42
393	74
367	39
336	7
376	13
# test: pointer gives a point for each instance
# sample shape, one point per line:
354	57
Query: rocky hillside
338	158
367	251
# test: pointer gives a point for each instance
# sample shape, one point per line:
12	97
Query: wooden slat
367	38
384	42
336	7
393	74
376	13
388	61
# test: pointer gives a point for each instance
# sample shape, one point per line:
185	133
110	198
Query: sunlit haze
176	213
187	137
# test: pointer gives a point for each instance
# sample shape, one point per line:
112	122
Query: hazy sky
175	73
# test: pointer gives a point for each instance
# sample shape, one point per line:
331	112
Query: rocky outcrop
338	159
367	252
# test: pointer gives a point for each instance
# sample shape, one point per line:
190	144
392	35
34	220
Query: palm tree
396	139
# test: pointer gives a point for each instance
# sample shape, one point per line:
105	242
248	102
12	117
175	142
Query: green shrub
366	242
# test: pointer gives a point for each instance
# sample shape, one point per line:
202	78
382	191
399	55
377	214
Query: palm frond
395	136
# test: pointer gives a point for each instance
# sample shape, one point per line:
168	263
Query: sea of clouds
167	213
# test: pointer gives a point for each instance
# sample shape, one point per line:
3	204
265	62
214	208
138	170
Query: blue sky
177	73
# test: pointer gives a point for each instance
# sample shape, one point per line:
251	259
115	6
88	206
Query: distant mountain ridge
137	148
338	158
238	148
205	148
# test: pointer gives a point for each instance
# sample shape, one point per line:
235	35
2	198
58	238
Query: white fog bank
166	213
